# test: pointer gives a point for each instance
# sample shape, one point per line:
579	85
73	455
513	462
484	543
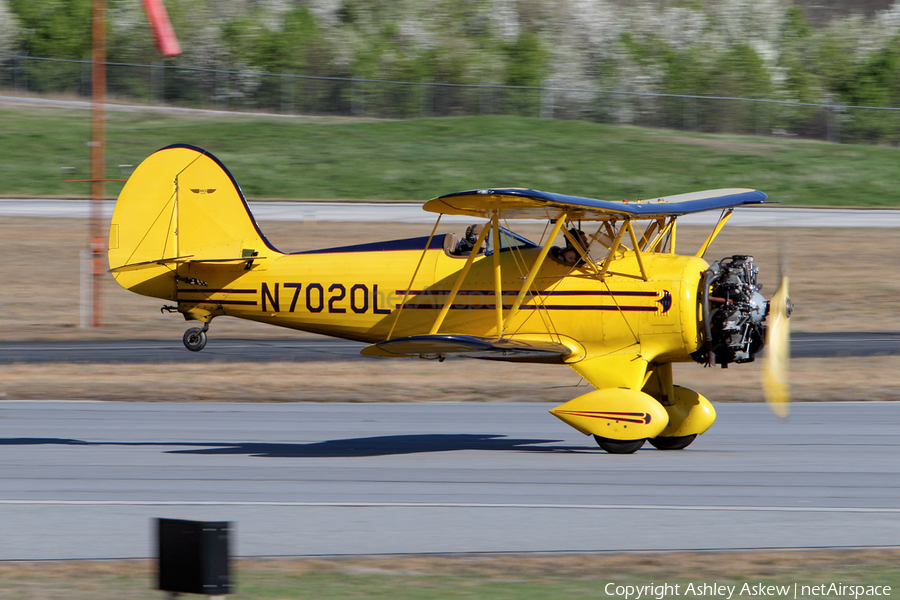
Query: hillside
278	157
604	61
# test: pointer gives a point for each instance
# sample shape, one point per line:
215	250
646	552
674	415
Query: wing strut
177	215
498	281
659	232
611	256
459	281
637	249
412	280
726	214
672	235
560	220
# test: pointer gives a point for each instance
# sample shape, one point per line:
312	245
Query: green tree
688	72
741	73
292	46
803	81
58	29
797	60
525	67
876	83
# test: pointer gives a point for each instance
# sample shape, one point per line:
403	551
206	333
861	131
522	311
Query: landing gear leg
195	338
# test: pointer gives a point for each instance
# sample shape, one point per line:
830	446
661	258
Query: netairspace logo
755	590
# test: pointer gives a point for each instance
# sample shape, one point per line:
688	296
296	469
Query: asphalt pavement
803	345
87	479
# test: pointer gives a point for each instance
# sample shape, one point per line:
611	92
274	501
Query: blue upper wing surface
516	203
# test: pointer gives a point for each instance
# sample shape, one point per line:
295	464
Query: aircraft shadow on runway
349	448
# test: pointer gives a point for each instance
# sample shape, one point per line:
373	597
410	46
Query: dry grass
812	380
385	380
413	380
483	576
703	566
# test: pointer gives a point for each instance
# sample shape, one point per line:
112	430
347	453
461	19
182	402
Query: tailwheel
672	443
619	446
195	338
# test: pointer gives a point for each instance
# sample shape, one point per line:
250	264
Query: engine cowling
733	312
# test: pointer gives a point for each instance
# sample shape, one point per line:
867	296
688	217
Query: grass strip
329	158
488	577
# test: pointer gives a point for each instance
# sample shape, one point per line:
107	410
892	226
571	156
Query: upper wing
533	204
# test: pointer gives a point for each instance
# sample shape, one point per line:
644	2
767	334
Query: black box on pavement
193	556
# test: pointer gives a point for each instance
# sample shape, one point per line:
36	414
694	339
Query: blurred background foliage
604	60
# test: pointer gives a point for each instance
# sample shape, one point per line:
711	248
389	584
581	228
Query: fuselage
368	293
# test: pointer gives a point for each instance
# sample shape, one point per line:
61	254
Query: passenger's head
569	256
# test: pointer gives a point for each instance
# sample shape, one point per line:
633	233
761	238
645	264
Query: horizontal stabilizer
442	345
174	260
242	259
185	259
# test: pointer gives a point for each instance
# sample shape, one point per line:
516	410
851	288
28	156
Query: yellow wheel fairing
689	414
615	413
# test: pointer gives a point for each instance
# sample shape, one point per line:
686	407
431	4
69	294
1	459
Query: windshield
508	240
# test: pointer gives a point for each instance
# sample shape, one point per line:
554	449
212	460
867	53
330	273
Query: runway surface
803	345
86	479
411	212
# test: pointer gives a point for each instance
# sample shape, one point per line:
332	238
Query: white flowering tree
608	60
10	29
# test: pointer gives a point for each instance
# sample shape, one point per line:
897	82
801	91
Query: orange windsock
162	27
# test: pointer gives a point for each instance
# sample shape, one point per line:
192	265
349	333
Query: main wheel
619	446
194	339
672	443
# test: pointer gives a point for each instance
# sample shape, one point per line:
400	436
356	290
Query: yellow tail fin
181	204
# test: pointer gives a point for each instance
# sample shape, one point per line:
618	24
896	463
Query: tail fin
181	204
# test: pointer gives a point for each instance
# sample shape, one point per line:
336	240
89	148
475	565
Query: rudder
180	204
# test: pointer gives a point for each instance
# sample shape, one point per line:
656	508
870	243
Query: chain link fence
289	93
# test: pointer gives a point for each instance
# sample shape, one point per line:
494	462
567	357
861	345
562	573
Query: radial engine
733	312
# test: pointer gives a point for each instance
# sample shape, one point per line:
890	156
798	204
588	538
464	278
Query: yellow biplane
612	300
